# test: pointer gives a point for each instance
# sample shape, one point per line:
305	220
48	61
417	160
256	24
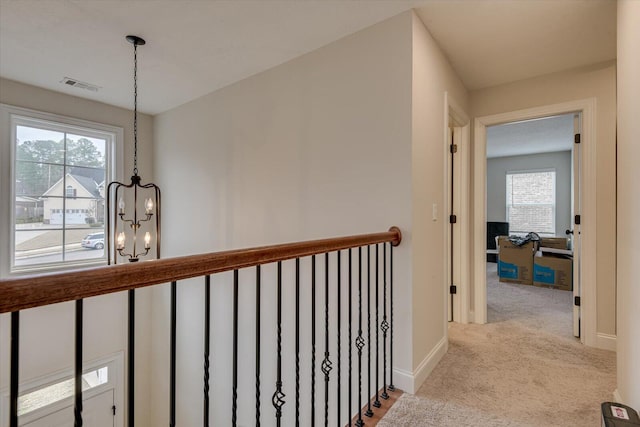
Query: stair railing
22	293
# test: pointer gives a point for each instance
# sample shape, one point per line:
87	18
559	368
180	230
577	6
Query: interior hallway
523	368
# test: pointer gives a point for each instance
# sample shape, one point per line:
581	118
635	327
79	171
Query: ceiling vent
80	85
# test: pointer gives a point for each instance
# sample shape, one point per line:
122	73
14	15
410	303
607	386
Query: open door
456	309
452	271
574	233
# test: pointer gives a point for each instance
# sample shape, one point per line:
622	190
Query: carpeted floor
523	368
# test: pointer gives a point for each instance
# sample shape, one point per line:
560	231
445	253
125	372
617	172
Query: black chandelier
137	211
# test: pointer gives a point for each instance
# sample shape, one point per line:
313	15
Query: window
60	167
531	200
71	192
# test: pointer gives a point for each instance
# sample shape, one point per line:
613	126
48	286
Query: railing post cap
396	230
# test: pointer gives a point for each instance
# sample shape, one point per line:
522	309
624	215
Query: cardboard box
553	272
554	242
515	263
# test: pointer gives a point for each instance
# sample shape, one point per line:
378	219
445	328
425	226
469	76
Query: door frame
587	107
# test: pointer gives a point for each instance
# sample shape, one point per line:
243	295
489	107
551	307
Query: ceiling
195	47
544	135
501	41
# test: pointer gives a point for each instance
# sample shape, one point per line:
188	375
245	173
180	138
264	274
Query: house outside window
71	192
60	167
531	201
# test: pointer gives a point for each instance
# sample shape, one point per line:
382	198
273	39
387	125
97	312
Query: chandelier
133	223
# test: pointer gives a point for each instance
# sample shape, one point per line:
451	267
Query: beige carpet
522	369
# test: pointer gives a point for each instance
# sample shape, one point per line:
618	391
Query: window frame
553	206
11	117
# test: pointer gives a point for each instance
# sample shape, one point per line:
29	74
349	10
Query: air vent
80	85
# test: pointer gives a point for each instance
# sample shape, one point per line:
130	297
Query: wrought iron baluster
297	341
131	358
234	407
172	368
77	409
350	406
369	412
384	326
278	396
258	346
377	403
326	363
313	340
15	364
207	333
359	340
391	386
339	291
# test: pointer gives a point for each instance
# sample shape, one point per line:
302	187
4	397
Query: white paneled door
97	412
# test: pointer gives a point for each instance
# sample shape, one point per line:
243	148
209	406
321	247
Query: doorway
533	182
49	400
585	305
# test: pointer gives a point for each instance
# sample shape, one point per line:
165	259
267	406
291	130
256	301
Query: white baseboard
606	341
410	382
616	396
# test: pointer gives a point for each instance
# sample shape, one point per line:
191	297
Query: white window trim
9	117
555	191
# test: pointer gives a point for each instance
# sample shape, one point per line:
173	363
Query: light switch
434	212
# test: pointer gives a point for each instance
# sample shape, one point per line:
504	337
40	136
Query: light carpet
524	368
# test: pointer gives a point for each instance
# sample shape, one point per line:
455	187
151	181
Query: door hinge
453	219
453	148
453	289
113	408
577	219
576	138
576	301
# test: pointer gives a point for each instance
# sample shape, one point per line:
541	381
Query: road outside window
61	173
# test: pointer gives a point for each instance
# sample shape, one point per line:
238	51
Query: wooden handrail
36	291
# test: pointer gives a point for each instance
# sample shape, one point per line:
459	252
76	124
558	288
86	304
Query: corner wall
347	139
597	81
628	202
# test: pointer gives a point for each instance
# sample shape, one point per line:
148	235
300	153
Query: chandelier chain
135	108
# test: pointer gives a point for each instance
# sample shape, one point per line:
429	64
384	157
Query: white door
97	412
450	239
454	232
575	214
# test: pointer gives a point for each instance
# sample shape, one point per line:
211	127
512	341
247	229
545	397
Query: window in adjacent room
59	176
531	201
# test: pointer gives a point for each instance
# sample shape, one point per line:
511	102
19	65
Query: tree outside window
60	173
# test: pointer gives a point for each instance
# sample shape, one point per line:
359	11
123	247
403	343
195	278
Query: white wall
320	146
316	147
628	202
47	333
596	81
432	77
498	167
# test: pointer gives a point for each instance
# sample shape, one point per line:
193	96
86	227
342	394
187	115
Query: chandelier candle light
124	227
